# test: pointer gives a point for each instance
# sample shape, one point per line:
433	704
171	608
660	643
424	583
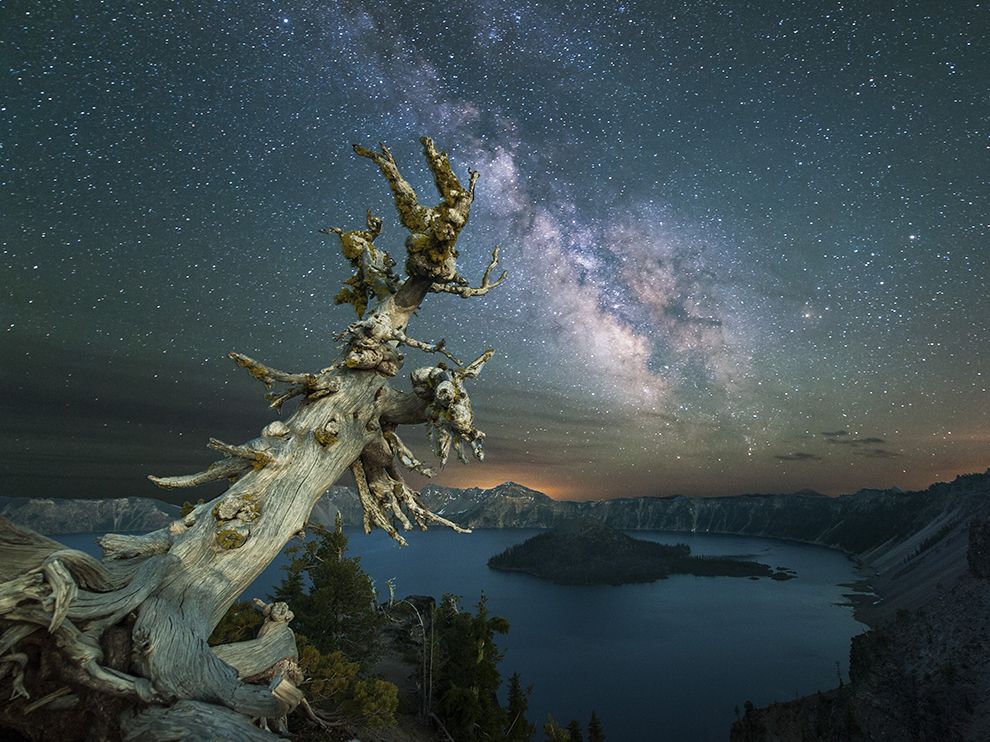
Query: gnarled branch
467	292
312	386
430	247
373	277
405	456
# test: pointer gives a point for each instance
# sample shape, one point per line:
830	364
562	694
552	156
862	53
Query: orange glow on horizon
486	477
472	477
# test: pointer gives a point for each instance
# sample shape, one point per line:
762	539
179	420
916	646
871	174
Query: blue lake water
666	661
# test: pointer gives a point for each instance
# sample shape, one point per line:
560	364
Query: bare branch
268	375
472	370
438	347
372	511
224	469
314	386
422	514
414	217
467	292
443	176
257	457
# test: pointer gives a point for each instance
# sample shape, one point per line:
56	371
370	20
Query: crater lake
671	660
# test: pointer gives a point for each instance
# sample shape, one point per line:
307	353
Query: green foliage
332	678
574	731
553	732
290	590
519	728
374	701
467	677
240	623
339	612
595	731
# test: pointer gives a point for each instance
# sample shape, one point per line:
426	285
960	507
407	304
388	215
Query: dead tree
117	647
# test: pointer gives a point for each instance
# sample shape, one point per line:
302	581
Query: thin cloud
798	456
878	453
858	442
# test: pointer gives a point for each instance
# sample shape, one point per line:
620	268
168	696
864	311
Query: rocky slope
921	674
55	516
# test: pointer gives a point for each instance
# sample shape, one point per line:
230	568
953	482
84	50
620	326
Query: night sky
747	242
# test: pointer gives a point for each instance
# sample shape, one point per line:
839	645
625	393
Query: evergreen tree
339	612
574	731
595	732
553	732
467	676
519	729
290	590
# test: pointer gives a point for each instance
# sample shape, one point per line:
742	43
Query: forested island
588	552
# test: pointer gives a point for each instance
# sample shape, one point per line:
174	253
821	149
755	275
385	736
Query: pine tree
574	731
595	731
468	677
339	613
519	730
553	732
290	590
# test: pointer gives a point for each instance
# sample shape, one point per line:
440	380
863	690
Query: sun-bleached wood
133	626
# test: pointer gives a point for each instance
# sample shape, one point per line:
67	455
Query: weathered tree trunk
120	644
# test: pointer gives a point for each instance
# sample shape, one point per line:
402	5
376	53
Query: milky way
747	243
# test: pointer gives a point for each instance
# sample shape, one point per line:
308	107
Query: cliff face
53	516
921	675
978	555
869	523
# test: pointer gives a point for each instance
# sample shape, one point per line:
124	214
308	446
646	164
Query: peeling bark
125	637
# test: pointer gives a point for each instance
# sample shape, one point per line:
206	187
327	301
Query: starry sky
747	241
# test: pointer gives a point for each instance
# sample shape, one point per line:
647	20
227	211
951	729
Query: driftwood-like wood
119	644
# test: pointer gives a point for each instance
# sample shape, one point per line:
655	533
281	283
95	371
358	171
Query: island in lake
588	552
